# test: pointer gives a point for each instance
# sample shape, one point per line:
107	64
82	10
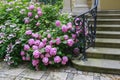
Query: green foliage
12	28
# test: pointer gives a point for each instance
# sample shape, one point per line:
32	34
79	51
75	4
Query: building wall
110	4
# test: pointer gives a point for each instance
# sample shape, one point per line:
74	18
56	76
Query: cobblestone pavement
67	73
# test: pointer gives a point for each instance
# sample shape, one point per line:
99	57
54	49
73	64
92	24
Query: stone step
108	16
98	65
108	27
103	53
109	12
109	43
107	21
108	34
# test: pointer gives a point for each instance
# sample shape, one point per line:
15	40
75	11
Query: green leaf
65	42
42	50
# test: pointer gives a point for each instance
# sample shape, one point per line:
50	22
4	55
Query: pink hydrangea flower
44	40
64	28
28	58
35	62
26	21
41	45
36	16
49	36
57	59
28	32
58	23
70	42
51	42
58	41
65	59
39	13
45	60
34	47
66	37
39	36
47	55
38	9
63	63
29	14
48	48
37	42
74	36
23	58
69	25
42	56
26	47
31	7
31	42
36	54
37	24
22	53
50	62
76	50
35	35
53	51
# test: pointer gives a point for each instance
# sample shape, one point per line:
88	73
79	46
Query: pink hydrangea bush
50	46
47	38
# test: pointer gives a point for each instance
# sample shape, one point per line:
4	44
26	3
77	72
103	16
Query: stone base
78	11
66	10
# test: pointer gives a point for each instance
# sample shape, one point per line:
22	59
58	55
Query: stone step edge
99	53
92	68
107	51
111	20
105	25
108	32
105	40
107	15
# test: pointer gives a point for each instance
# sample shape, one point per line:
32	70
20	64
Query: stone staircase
105	57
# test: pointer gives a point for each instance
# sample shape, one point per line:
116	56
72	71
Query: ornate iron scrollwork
85	29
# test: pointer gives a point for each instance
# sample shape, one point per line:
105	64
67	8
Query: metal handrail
85	29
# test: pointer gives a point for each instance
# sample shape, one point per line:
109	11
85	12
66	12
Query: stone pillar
79	7
66	6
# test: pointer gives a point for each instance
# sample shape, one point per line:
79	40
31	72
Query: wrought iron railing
85	29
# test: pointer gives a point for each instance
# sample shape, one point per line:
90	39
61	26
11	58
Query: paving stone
18	78
43	77
5	79
82	77
68	71
8	78
33	74
14	72
70	76
85	73
96	78
74	72
105	78
90	73
79	72
2	75
110	77
96	74
57	76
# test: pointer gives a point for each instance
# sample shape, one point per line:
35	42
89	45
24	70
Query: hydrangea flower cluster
46	49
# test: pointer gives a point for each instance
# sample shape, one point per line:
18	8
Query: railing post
84	40
95	22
